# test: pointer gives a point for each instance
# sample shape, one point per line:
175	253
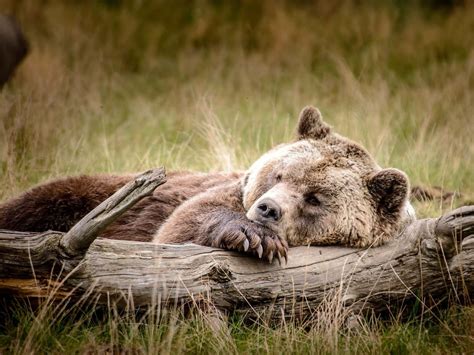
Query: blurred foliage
394	75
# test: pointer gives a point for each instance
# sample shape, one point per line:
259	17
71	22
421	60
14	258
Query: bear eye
313	200
278	177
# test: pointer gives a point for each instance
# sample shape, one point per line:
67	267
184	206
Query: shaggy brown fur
59	204
320	189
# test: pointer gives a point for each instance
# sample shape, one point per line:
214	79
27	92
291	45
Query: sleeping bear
321	189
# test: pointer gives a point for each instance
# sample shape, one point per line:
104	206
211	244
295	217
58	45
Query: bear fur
321	189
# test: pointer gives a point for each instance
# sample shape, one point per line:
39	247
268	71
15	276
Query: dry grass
128	85
60	327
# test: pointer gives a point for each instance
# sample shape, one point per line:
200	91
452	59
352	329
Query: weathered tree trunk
432	257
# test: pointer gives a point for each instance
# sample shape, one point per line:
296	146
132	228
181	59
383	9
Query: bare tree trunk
432	257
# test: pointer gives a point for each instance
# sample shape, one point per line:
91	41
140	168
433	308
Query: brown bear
321	189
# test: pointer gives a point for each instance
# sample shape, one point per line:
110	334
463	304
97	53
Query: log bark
432	258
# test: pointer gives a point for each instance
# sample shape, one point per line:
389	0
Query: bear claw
246	244
247	237
279	257
270	257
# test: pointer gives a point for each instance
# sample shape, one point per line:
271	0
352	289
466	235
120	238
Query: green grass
119	86
80	330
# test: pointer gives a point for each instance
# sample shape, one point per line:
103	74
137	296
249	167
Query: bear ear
311	124
389	188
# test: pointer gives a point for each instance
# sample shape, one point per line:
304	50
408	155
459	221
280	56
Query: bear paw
249	237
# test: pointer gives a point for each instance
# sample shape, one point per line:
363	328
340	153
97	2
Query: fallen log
432	258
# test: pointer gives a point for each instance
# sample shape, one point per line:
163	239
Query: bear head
325	189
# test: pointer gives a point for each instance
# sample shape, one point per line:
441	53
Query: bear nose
269	209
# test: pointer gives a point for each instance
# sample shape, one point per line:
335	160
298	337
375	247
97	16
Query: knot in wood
220	273
430	247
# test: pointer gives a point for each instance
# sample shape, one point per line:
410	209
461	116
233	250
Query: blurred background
111	86
117	86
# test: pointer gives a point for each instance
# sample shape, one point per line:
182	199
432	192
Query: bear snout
268	209
266	212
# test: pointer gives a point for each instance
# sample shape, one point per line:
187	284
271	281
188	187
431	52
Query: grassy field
119	86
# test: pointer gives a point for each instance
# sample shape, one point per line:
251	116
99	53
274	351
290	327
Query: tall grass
56	328
118	86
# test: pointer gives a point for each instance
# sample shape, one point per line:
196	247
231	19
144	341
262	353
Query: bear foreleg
217	218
